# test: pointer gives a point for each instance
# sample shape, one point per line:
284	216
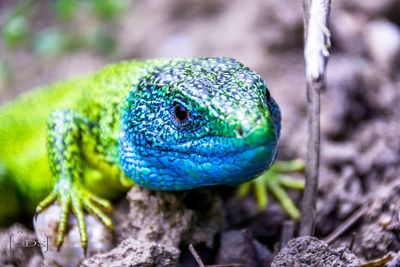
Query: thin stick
346	225
287	232
196	256
316	14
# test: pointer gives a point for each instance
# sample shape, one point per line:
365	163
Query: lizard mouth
207	161
227	146
217	148
212	147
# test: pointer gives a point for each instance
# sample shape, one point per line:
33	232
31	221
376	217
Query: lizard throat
205	162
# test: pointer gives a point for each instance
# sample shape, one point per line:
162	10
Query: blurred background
45	41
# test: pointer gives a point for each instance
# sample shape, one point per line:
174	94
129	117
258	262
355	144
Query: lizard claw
46	202
274	181
76	199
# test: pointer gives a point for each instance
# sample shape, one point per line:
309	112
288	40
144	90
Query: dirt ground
360	165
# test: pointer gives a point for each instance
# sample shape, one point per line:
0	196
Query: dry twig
346	225
196	256
200	263
287	232
316	15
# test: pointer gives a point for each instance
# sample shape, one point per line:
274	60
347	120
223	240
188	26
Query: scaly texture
166	124
207	119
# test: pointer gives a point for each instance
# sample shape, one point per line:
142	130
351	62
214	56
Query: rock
71	252
383	41
133	253
19	247
309	251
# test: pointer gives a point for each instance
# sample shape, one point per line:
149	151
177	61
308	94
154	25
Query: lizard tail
9	200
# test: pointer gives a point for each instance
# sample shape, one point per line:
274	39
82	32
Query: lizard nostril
239	130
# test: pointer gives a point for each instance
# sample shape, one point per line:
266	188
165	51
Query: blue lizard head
198	122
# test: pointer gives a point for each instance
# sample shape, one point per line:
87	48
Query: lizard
164	124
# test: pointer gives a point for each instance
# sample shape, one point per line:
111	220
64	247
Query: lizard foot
76	198
276	180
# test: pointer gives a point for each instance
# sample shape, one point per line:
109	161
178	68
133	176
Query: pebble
71	253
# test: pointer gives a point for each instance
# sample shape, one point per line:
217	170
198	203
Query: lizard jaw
207	161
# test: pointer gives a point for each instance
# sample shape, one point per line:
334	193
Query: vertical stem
287	232
312	167
316	14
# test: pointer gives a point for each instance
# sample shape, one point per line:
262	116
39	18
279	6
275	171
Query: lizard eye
181	114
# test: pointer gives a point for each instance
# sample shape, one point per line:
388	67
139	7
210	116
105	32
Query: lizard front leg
68	141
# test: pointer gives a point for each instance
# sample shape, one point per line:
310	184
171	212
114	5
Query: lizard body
166	124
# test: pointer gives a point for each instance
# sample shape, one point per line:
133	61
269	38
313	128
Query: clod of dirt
157	223
309	251
170	218
17	247
374	242
380	232
134	253
240	248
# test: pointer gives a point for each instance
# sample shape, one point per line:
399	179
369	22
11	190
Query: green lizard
166	124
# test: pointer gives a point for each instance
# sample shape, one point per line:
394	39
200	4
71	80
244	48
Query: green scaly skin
166	124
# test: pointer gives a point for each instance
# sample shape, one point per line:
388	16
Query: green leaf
108	9
65	9
15	30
